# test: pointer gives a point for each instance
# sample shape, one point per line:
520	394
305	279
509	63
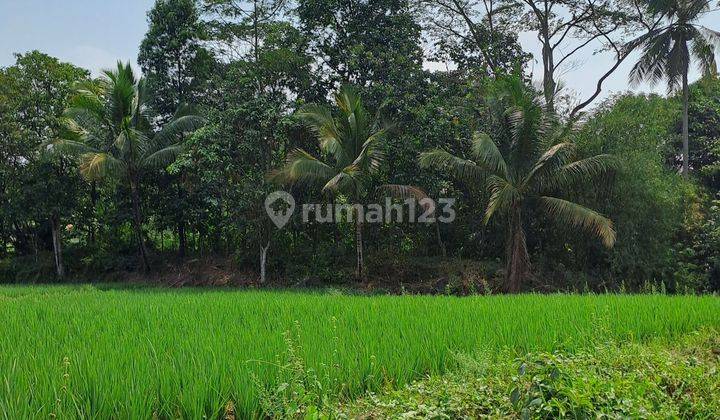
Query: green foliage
669	47
249	67
704	115
613	381
108	126
528	170
299	392
38	190
698	250
352	142
645	199
174	63
374	45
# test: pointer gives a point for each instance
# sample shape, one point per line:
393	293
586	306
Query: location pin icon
282	215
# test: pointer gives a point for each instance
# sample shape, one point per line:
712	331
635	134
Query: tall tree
265	70
108	125
373	45
351	146
176	67
174	62
480	36
527	172
564	28
704	131
238	29
668	49
39	187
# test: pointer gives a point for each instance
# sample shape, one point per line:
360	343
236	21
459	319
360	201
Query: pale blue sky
94	34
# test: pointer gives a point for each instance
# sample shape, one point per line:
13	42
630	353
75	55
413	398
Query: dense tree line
345	101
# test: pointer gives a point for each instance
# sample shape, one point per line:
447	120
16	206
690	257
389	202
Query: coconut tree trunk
518	259
57	246
360	269
685	129
137	224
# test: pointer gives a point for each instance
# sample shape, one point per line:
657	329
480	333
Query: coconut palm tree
667	50
350	145
527	171
108	125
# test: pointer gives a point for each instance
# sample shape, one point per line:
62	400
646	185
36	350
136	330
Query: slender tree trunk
57	246
182	238
263	262
137	222
360	269
549	84
518	260
685	129
256	40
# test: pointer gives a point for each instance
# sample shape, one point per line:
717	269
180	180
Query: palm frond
644	39
678	62
651	66
703	49
582	170
320	121
123	142
569	213
661	7
122	92
690	10
348	181
551	160
463	169
503	196
68	146
488	154
403	191
86	103
179	125
163	157
371	156
347	100
524	118
302	167
409	191
97	165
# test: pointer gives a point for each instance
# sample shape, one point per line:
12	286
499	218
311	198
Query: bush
612	381
645	198
38	268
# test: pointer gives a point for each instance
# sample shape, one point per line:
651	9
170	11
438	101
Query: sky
94	34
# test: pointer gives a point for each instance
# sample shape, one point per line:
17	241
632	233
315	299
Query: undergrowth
610	381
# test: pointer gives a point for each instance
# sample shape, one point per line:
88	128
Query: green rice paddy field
139	353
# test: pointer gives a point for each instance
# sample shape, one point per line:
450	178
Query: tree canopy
361	101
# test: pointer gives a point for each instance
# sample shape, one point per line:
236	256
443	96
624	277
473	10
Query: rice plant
139	353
